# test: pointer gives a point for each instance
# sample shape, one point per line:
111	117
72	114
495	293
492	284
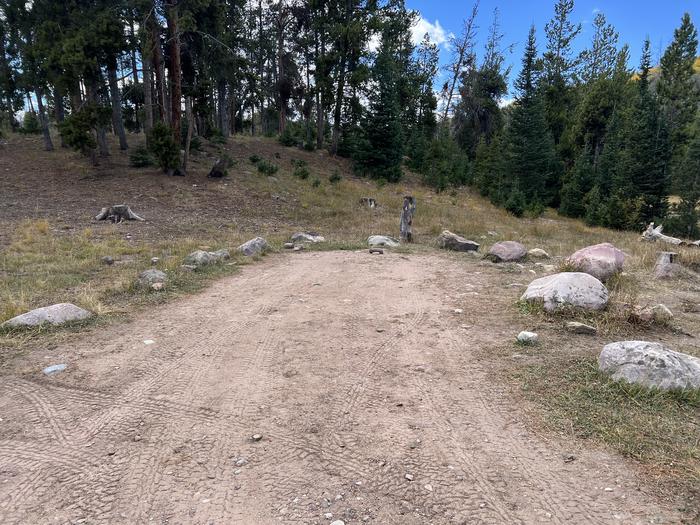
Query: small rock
661	314
254	247
148	278
298	248
568	458
376	251
428	487
54	314
537	253
107	260
338	522
256	437
451	241
458	311
137	438
241	462
528	338
157	286
409	477
155	260
54	369
580	328
288	246
328	515
188	267
311	237
506	251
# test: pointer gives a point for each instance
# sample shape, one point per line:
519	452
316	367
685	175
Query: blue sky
633	21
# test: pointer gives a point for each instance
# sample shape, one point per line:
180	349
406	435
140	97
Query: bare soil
358	373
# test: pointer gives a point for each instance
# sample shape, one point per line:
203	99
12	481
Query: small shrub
217	137
140	157
163	146
298	163
196	144
287	138
309	146
335	178
267	168
254	158
301	172
30	123
316	183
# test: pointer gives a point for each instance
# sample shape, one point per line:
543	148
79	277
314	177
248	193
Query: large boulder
382	240
310	237
650	365
602	261
451	241
576	289
506	251
54	314
254	247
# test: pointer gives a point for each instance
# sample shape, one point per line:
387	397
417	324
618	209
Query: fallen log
653	234
118	213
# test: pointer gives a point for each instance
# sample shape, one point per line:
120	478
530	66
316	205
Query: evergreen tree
688	178
531	157
599	60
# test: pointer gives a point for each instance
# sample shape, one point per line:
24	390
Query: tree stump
666	266
368	202
407	212
218	171
117	213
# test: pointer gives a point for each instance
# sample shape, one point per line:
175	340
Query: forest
587	133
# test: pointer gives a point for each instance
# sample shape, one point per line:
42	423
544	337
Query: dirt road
371	394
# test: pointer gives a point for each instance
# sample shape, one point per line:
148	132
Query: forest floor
357	371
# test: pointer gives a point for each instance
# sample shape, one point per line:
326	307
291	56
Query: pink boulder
602	261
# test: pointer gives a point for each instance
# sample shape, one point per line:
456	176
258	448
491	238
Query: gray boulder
152	278
254	247
528	338
451	241
567	289
650	365
54	314
506	251
382	240
580	328
310	237
537	253
201	258
602	261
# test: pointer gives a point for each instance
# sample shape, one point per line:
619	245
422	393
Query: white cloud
435	31
596	10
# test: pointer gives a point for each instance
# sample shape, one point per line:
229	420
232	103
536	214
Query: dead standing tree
407	212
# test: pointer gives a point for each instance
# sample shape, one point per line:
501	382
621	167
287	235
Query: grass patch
659	429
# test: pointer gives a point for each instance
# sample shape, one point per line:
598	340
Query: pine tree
531	158
599	60
648	147
688	178
677	89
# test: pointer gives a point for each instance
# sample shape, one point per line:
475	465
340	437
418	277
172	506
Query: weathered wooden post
409	208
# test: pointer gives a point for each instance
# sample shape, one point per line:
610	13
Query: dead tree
117	213
653	234
407	212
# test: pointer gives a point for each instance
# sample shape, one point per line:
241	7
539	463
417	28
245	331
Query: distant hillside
654	73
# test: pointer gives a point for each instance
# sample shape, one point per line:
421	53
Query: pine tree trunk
48	144
157	54
115	101
188	140
147	94
222	107
94	98
174	71
341	80
280	70
59	111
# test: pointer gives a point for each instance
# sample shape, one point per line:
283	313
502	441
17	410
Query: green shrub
298	163
316	183
254	158
267	168
333	179
77	128
301	172
164	148
30	123
140	157
216	137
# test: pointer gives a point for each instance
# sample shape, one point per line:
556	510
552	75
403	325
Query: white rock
54	369
661	313
567	289
54	314
338	522
537	253
650	365
451	241
382	240
308	237
580	328
528	338
254	247
409	477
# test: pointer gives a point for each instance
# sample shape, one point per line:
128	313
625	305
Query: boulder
650	365
659	313
580	328
451	241
108	260
567	289
152	278
54	314
537	253
528	338
308	237
382	240
506	251
254	247
666	266
201	258
602	261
